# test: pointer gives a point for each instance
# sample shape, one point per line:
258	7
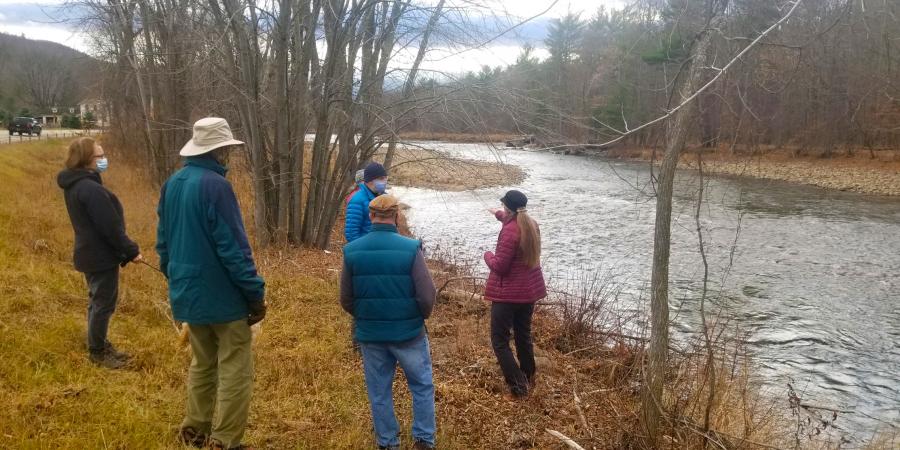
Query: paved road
5	138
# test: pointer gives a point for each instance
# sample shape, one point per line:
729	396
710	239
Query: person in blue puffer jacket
213	286
357	223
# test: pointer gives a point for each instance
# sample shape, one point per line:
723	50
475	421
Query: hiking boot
107	360
513	397
215	444
189	436
388	447
422	445
116	353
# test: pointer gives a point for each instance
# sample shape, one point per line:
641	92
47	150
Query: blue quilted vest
384	296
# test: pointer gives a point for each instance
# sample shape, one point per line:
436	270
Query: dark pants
516	317
103	289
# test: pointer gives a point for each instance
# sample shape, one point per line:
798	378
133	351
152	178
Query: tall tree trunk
246	41
283	122
676	135
304	46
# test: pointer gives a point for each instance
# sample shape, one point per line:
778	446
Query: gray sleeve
425	291
347	289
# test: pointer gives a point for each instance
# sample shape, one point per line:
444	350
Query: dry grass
309	391
432	169
309	387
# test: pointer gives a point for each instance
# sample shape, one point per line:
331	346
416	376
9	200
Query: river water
810	275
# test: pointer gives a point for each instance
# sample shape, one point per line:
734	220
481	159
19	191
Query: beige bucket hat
210	133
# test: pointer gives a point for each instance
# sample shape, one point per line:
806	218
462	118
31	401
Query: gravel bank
867	180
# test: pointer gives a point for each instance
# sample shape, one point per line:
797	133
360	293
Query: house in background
56	116
97	109
49	121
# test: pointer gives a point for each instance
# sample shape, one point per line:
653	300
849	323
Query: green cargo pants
221	372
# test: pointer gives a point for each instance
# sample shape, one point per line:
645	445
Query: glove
257	312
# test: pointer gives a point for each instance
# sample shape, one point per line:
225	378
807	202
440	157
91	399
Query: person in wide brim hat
213	287
210	133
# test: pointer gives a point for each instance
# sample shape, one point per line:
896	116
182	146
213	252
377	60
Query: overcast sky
43	20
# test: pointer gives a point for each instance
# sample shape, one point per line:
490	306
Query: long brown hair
529	238
81	153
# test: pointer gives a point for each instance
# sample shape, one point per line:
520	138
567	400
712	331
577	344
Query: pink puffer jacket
510	280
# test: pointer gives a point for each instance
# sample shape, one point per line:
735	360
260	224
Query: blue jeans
380	363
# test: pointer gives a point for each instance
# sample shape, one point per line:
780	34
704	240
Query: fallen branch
581	418
825	408
446	283
722	436
565	439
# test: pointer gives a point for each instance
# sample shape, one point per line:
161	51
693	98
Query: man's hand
257	312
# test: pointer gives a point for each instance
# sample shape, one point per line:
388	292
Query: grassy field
309	390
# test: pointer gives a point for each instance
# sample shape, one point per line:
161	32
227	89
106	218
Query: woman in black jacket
101	245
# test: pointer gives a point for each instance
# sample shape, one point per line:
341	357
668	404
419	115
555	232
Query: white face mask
102	165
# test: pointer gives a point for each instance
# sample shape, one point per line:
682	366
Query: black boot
107	360
125	357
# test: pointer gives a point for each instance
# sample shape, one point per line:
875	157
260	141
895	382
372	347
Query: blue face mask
380	186
102	165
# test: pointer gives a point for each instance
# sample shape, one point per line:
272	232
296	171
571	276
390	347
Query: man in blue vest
213	287
356	221
387	288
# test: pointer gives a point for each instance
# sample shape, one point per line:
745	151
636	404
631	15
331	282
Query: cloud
46	20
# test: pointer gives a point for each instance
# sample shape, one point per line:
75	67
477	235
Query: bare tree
410	83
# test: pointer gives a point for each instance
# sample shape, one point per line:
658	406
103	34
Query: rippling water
813	283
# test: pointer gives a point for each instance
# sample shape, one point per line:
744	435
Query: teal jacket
384	288
203	248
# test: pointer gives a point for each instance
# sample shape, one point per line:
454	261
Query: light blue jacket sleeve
355	218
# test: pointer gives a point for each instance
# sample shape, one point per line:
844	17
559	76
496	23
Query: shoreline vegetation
873	172
309	390
433	169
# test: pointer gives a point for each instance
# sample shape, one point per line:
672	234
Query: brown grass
432	169
309	389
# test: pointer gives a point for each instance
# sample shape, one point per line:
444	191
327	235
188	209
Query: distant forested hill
37	75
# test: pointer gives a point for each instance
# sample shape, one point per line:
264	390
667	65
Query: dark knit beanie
373	171
514	200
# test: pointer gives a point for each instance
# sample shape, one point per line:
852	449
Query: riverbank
858	172
470	138
432	169
309	387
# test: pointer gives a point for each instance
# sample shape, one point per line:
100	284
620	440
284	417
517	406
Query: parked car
23	125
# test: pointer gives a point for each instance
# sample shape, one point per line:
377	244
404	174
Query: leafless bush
589	309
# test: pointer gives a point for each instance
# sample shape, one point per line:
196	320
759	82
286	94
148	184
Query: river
810	275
